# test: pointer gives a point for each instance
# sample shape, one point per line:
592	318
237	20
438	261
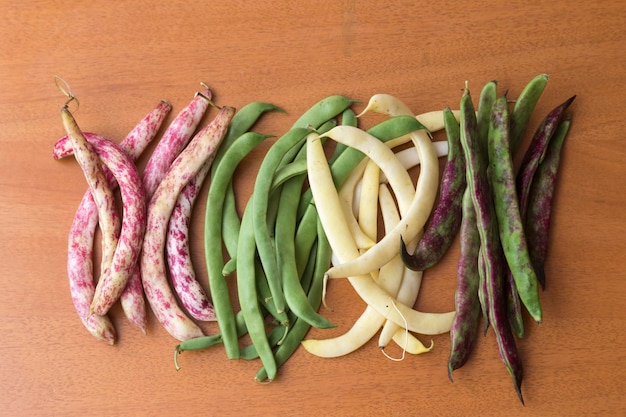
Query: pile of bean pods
311	219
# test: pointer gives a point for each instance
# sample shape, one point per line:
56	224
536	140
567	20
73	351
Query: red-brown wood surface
122	57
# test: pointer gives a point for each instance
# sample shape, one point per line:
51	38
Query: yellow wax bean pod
346	196
413	218
327	203
370	321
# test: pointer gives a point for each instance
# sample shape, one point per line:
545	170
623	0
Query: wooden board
122	57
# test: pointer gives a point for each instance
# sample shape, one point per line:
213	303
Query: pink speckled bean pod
174	140
182	274
200	151
93	170
134	143
80	270
113	281
80	249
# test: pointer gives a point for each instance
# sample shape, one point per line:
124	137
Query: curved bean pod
523	108
370	321
322	111
181	268
540	201
246	289
112	283
82	231
80	269
290	142
445	219
413	218
536	152
93	171
343	245
213	232
300	327
134	143
173	140
198	152
284	243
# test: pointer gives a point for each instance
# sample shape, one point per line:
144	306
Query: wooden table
122	57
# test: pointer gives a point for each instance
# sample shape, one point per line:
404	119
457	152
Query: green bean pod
213	238
262	230
247	292
286	255
540	201
232	223
242	121
510	225
523	109
322	111
348	118
301	327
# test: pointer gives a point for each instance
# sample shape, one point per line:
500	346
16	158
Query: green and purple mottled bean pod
467	304
536	152
491	250
540	200
510	225
523	109
446	217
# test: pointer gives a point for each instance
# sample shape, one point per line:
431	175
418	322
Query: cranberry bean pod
181	268
111	284
80	270
174	139
93	170
134	143
200	151
82	231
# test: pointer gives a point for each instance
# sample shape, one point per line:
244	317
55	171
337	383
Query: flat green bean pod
213	238
322	111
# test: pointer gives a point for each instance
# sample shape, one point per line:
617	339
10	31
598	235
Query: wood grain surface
121	57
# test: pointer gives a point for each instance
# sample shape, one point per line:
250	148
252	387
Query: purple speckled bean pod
80	270
201	150
540	201
134	143
81	276
182	273
536	152
174	140
94	172
113	280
